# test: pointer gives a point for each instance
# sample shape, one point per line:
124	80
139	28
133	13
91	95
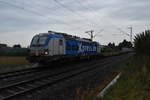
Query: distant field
12	60
11	63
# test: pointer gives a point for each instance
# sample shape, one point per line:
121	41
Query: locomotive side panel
88	47
81	47
71	47
56	46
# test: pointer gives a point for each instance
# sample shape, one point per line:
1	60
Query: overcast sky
20	20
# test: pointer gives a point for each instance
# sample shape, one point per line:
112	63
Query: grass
91	93
8	63
12	60
134	84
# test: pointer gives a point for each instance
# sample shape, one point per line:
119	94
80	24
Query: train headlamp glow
46	53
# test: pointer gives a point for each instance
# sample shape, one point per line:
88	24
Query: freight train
57	46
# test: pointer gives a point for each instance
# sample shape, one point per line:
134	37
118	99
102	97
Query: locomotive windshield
35	40
42	40
39	40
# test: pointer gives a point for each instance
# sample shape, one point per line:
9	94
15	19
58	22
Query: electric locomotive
56	46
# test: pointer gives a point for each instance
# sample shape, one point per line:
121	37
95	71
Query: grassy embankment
8	63
91	93
134	84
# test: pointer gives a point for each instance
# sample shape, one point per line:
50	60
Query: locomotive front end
38	47
46	47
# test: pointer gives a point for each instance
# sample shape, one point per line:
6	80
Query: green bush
142	43
13	51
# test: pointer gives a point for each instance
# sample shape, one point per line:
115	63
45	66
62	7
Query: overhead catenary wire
94	14
20	7
123	31
70	10
118	28
79	3
93	9
88	9
36	13
98	34
75	13
55	11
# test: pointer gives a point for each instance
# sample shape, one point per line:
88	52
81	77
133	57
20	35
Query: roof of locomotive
69	37
53	34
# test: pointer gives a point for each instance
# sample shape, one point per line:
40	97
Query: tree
17	46
126	44
111	45
142	43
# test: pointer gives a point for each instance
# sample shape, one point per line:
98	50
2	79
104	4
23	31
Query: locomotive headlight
46	53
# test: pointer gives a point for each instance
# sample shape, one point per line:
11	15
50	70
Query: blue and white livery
56	46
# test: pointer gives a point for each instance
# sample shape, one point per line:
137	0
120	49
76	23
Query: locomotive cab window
39	40
35	40
60	42
42	39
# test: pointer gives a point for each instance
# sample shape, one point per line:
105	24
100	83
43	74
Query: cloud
26	18
134	10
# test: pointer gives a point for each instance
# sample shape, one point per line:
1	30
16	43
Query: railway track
8	75
18	72
48	79
27	72
23	72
